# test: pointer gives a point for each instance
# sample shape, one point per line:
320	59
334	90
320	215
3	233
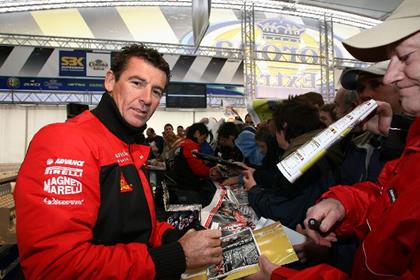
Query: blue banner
72	63
51	84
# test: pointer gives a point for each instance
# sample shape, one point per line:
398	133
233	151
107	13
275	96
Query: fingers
266	266
300	229
201	248
328	212
380	123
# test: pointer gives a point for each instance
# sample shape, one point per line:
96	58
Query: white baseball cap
371	45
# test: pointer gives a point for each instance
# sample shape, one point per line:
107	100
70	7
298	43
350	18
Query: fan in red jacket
83	204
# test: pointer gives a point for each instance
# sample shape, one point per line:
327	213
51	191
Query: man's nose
394	72
146	95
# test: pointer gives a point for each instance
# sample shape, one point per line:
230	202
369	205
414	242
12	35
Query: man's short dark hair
201	127
168	124
227	129
314	98
296	117
152	56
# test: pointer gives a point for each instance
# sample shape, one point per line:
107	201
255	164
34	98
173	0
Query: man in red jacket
84	206
386	215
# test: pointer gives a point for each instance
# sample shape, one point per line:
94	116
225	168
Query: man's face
374	88
227	141
248	120
138	91
340	109
404	72
180	131
168	128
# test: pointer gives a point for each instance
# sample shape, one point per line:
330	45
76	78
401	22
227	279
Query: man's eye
157	92
138	83
406	56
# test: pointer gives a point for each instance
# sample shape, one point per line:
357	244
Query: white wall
19	123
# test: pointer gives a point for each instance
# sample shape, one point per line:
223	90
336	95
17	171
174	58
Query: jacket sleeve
57	206
357	199
319	272
197	165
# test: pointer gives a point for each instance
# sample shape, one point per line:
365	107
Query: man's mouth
139	111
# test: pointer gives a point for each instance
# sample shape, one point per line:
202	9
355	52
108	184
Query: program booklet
295	164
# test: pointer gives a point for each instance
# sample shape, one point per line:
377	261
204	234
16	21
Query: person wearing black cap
385	216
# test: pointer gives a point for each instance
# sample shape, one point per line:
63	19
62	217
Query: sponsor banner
72	63
51	84
97	64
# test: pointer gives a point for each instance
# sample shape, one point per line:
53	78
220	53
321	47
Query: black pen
314	224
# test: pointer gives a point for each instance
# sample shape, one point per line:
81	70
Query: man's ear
109	81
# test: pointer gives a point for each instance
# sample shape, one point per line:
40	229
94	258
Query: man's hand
308	250
201	248
249	181
381	121
215	174
327	212
266	269
231	181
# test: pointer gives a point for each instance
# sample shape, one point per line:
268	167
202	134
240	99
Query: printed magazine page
237	223
240	251
226	214
295	164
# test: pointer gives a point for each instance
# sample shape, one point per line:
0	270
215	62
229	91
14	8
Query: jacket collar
107	112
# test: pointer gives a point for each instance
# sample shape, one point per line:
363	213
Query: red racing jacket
84	207
385	216
197	166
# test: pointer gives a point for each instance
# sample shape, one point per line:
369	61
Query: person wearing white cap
385	216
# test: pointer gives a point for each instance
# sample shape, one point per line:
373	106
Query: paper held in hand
295	164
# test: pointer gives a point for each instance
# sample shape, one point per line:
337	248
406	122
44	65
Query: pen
314	224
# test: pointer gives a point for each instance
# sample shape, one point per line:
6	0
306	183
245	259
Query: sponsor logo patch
64	202
122	157
62	170
66	161
124	186
62	185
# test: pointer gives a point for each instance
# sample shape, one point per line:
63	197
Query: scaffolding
248	53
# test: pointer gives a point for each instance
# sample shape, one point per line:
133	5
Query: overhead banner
51	84
72	63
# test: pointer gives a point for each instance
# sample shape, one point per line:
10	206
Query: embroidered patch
124	186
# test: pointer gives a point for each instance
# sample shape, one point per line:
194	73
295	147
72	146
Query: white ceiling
376	9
